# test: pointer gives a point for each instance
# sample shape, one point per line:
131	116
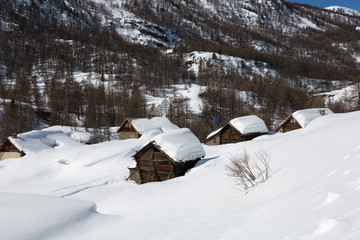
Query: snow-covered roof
305	116
214	133
245	125
249	124
39	140
143	125
181	145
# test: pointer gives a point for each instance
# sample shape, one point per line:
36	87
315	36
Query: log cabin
166	156
136	127
9	150
238	130
301	119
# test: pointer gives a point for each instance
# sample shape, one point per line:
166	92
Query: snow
214	133
181	145
228	63
249	124
28	216
40	140
80	192
305	116
348	96
189	93
344	10
143	125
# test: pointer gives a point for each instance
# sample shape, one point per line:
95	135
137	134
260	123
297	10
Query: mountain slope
311	194
121	51
344	10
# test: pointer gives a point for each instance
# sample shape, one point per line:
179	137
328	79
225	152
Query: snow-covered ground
344	10
79	191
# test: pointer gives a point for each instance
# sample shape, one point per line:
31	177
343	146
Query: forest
40	54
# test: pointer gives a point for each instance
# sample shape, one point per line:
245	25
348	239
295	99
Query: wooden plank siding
127	130
8	150
154	165
289	124
229	134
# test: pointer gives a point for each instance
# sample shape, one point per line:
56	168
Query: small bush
248	172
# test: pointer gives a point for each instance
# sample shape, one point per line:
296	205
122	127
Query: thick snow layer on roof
40	140
181	145
305	116
143	125
214	133
249	124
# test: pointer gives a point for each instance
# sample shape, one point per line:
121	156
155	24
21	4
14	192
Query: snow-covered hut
301	119
238	130
8	149
167	155
135	127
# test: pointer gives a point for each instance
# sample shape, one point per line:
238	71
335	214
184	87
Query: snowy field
77	191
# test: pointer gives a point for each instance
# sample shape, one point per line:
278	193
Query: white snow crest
305	116
143	125
181	145
249	124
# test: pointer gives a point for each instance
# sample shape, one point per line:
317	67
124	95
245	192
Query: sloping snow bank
26	216
305	116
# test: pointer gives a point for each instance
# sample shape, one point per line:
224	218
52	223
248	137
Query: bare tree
248	172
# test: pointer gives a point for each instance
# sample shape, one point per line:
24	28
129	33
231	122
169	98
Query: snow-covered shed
301	119
167	155
135	127
8	149
238	130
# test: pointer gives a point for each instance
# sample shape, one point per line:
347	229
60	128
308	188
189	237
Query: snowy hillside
81	192
344	10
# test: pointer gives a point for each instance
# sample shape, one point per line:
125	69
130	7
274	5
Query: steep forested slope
95	62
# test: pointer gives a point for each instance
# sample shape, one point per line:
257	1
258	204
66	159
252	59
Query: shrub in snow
248	172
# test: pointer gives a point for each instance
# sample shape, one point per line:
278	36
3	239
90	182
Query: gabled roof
39	140
180	145
245	125
142	125
6	140
305	116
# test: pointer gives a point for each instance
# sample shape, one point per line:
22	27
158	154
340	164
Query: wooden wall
290	125
155	166
127	131
214	140
9	151
229	135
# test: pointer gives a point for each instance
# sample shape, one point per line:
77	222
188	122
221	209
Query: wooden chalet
135	127
168	156
238	130
9	150
127	130
301	119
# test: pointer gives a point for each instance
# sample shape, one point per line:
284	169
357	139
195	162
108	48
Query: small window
214	140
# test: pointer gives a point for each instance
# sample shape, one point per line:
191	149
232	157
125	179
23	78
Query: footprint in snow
64	161
331	197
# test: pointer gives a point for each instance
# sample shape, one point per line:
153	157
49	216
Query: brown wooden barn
238	130
301	119
127	130
169	155
135	127
9	150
